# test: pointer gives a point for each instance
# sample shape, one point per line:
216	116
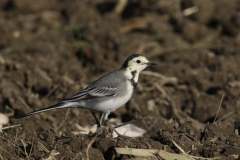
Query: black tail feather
56	106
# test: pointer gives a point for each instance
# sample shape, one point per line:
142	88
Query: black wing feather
87	93
94	92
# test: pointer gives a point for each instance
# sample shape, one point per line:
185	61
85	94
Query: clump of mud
51	50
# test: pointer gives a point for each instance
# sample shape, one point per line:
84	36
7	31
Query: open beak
151	63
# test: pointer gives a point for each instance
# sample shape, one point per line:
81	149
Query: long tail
56	106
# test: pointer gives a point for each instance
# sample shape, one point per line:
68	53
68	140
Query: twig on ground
40	145
218	108
76	27
225	116
51	155
5	150
31	148
89	145
64	119
25	150
79	154
120	6
176	144
2	60
183	134
137	152
204	43
152	44
172	80
13	144
140	24
190	10
164	94
51	91
43	147
16	135
184	153
135	105
170	101
43	74
154	122
24	103
10	109
11	126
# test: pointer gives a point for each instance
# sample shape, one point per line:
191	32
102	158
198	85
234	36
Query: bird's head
136	62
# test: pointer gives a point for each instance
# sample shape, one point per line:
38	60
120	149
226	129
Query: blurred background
50	50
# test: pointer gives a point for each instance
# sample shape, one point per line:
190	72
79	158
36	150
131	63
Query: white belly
115	102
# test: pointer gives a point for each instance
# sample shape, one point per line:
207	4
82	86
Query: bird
106	94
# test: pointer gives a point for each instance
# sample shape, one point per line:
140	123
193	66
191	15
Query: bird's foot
99	130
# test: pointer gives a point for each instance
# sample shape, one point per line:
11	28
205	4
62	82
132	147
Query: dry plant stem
164	79
199	45
11	126
205	43
226	116
187	137
40	145
24	146
184	153
154	122
226	145
31	148
120	6
160	89
79	154
16	135
50	92
171	102
176	144
219	108
64	119
2	60
5	150
24	103
13	144
43	147
137	152
10	109
153	44
89	145
135	105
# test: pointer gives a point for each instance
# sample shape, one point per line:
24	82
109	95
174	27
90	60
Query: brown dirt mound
50	50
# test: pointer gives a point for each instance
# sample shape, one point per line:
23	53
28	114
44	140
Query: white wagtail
108	93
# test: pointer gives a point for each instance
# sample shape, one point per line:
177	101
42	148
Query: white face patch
136	65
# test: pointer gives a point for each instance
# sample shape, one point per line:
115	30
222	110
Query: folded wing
90	93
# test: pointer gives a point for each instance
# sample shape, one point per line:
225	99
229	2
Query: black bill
151	63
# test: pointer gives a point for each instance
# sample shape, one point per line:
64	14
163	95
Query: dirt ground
50	50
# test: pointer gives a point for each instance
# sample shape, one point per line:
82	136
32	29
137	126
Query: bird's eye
138	61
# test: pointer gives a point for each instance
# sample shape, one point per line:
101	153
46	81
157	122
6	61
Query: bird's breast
113	103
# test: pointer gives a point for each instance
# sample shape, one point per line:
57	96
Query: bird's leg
105	118
98	124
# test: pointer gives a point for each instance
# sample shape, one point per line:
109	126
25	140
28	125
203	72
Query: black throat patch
132	80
